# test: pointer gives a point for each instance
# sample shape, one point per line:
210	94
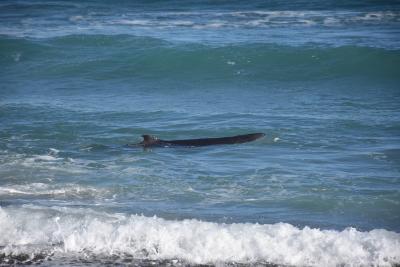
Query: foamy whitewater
91	233
81	79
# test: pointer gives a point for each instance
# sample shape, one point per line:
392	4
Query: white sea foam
259	18
43	157
331	21
53	151
40	189
76	18
66	231
139	23
182	23
133	22
377	16
50	161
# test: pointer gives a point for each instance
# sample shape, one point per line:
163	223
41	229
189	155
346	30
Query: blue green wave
122	56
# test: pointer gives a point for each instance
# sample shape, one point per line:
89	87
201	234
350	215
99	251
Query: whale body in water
152	141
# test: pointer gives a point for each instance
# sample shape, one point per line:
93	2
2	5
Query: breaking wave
46	233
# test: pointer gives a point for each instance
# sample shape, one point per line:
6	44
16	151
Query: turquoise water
79	81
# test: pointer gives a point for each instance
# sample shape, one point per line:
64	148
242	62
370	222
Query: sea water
80	80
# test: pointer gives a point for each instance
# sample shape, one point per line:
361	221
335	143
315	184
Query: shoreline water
97	237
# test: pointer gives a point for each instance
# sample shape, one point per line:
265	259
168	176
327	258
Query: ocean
81	79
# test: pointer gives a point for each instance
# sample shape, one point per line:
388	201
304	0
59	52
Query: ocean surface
81	79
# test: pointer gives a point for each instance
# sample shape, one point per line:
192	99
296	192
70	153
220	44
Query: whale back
237	139
149	140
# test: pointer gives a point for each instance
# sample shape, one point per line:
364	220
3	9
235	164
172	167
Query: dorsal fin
149	139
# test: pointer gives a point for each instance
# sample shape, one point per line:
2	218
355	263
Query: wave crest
72	231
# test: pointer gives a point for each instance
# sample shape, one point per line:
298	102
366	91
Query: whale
152	141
